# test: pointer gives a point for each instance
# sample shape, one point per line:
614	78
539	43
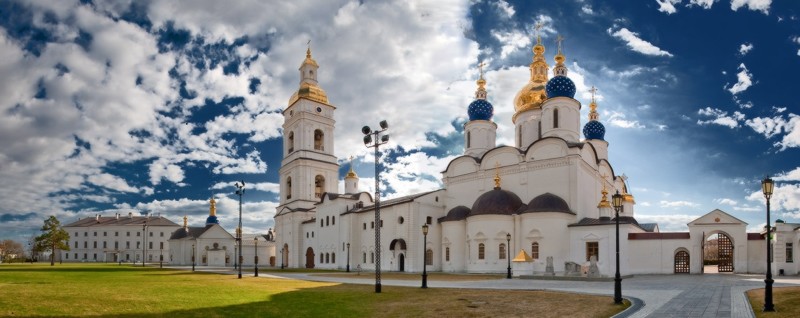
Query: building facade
122	238
548	197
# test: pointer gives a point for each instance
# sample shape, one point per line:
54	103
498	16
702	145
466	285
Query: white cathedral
546	197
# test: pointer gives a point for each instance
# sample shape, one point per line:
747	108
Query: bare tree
10	249
54	238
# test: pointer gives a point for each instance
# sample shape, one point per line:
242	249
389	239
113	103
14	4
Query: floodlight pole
370	143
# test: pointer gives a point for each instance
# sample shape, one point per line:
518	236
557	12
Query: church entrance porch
398	247
310	258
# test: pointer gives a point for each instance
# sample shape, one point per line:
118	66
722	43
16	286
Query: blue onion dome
212	219
480	109
212	212
594	130
560	86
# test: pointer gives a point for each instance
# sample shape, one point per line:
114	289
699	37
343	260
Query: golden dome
309	91
533	94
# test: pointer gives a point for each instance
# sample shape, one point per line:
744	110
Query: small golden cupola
309	88
351	180
533	94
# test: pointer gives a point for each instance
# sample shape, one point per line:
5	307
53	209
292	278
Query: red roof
659	236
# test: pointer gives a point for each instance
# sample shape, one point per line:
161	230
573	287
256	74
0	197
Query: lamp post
767	185
370	143
617	201
193	257
144	241
348	257
255	240
235	248
424	256
240	192
508	255
282	256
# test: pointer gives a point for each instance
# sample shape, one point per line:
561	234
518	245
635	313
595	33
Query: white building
118	238
550	192
212	245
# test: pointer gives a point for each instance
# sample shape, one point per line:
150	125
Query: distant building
212	245
118	238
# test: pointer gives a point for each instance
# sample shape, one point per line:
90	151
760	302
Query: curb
636	305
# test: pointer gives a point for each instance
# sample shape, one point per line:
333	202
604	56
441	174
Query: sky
152	107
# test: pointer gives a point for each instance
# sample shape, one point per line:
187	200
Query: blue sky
154	106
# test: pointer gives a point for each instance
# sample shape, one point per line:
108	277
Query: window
535	250
306	234
321	223
116	245
327	258
161	245
95	233
365	258
162	234
312	234
290	142
85	255
592	248
85	244
138	244
150	245
789	253
85	233
365	225
94	257
319	186
447	254
468	139
288	188
95	244
400	220
429	220
333	257
555	118
104	244
76	245
321	258
128	234
116	233
104	234
429	257
372	257
481	251
319	140
128	244
333	220
502	251
76	235
372	224
151	234
138	233
381	223
66	255
327	220
76	255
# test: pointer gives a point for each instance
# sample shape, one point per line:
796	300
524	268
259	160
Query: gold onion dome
533	94
351	174
309	89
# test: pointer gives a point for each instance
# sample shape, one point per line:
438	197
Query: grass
103	290
785	299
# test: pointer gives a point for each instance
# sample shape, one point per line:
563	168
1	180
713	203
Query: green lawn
126	291
785	299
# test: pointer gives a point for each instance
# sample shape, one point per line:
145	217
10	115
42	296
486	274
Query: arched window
319	186
502	251
429	257
321	258
555	118
372	257
333	257
319	140
468	139
327	220
321	223
290	142
535	250
365	258
327	258
288	188
447	254
481	251
333	220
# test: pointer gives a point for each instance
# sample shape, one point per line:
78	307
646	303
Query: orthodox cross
480	68
593	90
559	39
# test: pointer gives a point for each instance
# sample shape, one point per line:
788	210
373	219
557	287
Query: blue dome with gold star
480	109
560	86
594	130
212	219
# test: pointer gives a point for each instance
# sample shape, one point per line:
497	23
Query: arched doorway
718	254
310	258
399	246
682	262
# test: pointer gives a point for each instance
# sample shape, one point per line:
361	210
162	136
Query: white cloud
617	119
793	175
745	80
785	199
705	4
678	204
506	8
637	44
512	41
111	182
767	126
260	186
162	170
667	6
744	48
720	117
755	5
725	201
587	9
668	222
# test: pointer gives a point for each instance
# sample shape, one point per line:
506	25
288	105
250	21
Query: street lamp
370	143
348	257
144	241
193	257
255	240
767	185
240	192
508	255
424	256
617	201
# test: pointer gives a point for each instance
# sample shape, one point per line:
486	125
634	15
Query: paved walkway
708	295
